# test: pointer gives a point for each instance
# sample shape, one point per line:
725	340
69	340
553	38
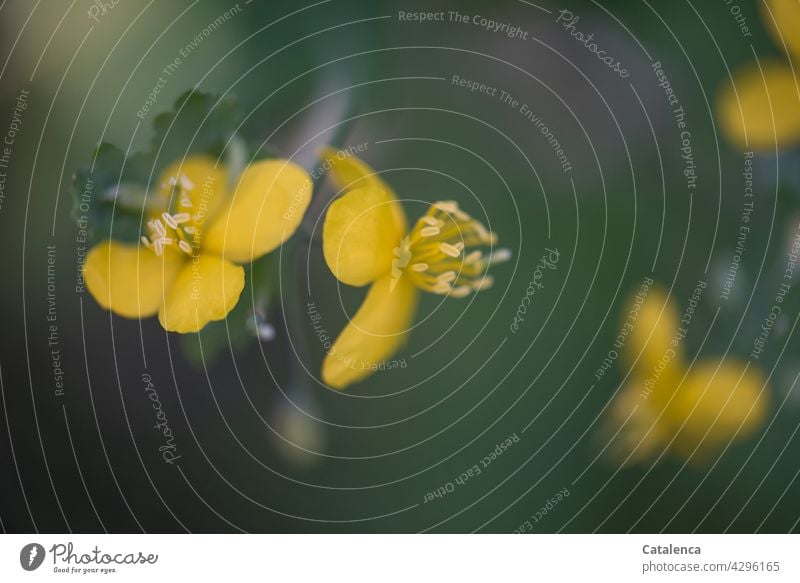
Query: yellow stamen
438	255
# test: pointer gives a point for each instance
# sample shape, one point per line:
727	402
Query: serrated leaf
95	190
198	123
116	187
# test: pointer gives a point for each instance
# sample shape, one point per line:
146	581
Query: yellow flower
666	404
366	241
185	269
761	109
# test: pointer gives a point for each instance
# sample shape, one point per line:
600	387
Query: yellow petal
633	427
129	280
651	347
759	112
378	330
782	18
206	289
360	235
719	402
267	207
201	181
350	172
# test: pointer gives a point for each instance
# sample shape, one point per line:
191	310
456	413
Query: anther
473	257
482	232
449	249
171	223
485	283
447	206
461	215
442	288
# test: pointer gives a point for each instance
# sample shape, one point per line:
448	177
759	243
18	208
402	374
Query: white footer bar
400	558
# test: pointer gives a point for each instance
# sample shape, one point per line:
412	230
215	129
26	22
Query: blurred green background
348	73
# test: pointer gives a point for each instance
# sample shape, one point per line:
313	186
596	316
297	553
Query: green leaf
110	196
198	123
103	195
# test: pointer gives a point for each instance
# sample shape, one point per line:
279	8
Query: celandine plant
669	405
366	241
761	108
175	246
187	267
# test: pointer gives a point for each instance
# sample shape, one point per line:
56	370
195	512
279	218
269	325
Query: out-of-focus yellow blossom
186	268
668	405
366	241
761	109
297	436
